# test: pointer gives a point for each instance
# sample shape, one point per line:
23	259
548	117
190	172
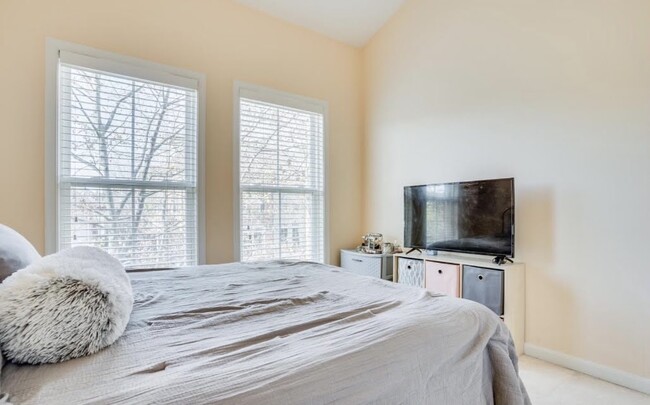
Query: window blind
127	165
281	180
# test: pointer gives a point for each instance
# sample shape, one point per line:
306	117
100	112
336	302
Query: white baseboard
629	380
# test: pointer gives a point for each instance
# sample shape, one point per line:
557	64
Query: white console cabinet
501	288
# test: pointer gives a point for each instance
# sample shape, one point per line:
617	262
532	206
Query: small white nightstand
374	265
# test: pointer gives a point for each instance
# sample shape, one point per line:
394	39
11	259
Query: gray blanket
286	333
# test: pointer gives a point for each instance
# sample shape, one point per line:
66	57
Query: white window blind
281	180
127	162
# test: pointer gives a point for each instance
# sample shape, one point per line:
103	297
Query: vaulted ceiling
351	21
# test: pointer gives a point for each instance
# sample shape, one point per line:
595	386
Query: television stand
475	278
413	250
501	259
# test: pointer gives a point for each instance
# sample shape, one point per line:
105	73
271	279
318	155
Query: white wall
557	94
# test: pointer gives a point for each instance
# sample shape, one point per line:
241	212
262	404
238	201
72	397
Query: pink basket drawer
443	278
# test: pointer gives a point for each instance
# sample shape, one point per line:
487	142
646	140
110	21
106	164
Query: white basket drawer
410	272
361	264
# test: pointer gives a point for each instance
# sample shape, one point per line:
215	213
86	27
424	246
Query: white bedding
281	333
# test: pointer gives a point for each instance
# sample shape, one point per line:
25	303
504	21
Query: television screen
468	217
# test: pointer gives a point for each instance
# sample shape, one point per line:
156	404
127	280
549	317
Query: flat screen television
468	217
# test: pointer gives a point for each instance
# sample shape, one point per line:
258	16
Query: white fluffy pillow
15	252
66	305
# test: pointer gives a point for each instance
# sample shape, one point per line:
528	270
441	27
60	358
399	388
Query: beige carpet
548	384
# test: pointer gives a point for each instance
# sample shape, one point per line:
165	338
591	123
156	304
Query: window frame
266	94
125	65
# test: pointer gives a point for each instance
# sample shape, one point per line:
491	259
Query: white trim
51	149
266	94
134	67
283	190
201	169
236	235
102	182
326	185
125	66
606	373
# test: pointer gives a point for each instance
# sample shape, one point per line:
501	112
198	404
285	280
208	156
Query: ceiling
351	21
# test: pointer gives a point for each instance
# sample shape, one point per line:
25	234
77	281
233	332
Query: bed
285	333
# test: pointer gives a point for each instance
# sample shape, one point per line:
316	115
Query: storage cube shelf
499	287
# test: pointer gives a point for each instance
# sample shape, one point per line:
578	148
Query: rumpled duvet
285	333
3	397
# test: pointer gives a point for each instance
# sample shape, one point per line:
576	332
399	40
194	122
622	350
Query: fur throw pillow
66	305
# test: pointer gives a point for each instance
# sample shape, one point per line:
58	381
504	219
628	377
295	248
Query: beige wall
225	41
557	94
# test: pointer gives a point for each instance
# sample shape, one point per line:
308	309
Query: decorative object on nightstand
379	265
373	243
388	248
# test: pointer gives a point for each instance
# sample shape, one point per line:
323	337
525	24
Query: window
280	176
127	161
